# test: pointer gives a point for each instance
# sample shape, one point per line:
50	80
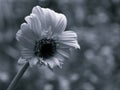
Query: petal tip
59	66
21	61
78	47
33	62
49	66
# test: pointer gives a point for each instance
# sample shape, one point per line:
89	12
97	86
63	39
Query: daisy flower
43	38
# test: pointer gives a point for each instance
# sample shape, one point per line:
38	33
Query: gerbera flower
43	38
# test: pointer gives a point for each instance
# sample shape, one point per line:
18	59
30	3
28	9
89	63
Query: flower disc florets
45	48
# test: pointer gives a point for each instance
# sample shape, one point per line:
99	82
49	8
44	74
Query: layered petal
34	24
40	14
60	57
50	18
69	38
67	35
24	41
27	32
27	53
72	43
64	53
57	21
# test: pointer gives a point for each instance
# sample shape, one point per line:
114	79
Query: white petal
64	53
57	21
27	32
21	60
63	46
49	18
53	62
24	41
61	23
33	61
59	57
56	61
27	53
72	43
41	61
40	13
69	38
34	24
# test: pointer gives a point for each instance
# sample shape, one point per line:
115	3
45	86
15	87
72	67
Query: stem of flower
18	76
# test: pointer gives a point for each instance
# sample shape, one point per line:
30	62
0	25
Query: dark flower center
45	48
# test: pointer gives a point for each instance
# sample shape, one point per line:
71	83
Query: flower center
45	48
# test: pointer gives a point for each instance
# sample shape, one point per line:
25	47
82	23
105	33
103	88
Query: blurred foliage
96	66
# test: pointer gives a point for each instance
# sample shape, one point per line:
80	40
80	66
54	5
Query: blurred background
96	66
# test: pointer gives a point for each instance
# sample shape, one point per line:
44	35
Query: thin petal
67	35
21	60
53	62
60	57
56	61
64	52
33	61
72	43
25	42
69	38
41	61
27	53
63	46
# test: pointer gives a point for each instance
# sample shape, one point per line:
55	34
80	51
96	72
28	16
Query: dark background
96	66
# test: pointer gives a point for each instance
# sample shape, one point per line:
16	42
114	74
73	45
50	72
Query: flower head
43	38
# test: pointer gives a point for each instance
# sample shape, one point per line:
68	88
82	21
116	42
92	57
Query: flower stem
18	76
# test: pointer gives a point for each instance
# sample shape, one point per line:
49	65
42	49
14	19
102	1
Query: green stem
18	76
